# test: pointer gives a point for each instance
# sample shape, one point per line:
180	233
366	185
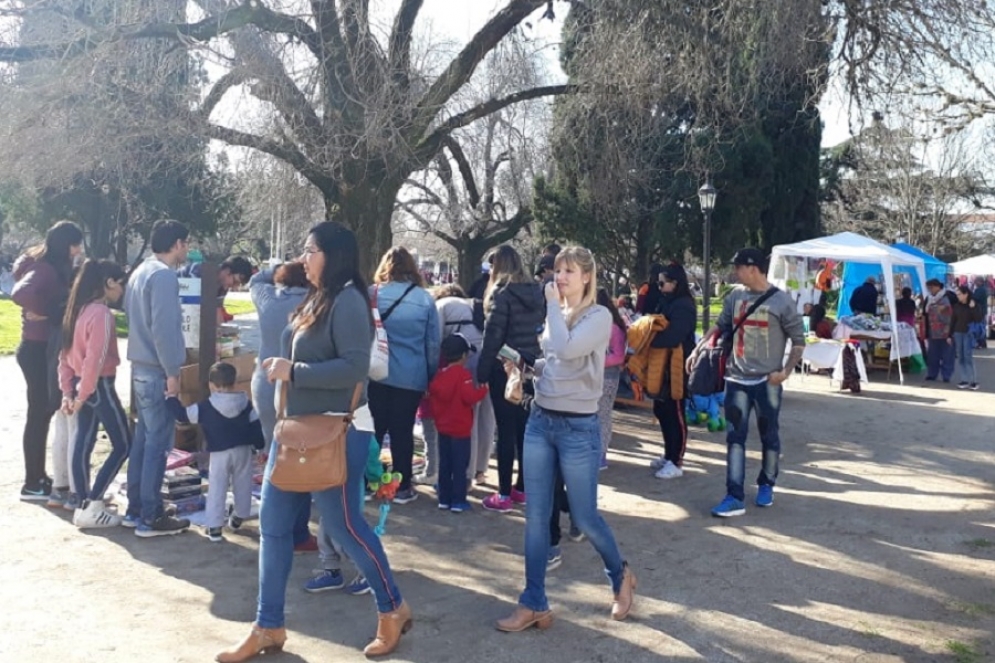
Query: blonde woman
515	310
563	434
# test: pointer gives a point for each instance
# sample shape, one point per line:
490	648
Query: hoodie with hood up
516	317
226	418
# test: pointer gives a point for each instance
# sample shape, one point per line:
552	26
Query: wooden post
207	354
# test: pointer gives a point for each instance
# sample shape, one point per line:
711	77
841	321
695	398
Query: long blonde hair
582	259
506	267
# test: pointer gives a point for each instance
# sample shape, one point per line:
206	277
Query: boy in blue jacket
232	430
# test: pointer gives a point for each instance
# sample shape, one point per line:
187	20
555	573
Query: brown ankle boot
390	627
626	594
259	641
523	619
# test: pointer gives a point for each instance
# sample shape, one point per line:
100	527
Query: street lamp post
706	199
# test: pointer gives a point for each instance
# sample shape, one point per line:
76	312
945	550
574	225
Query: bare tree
477	192
903	184
352	113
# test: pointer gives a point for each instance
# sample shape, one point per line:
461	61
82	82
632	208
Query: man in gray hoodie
156	353
755	370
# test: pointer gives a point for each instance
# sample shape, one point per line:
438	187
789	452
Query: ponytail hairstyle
582	259
89	287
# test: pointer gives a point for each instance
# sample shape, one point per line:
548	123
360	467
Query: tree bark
367	210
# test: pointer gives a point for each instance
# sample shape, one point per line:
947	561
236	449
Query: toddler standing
232	430
452	395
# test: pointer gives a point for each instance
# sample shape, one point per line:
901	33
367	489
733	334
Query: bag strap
753	308
383	318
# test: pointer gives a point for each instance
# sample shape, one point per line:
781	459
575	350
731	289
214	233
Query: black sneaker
973	386
575	534
405	496
163	526
215	535
962	385
234	522
37	491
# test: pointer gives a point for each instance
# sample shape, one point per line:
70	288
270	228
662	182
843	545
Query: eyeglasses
312	249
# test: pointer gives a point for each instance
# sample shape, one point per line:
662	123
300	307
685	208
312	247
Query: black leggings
32	357
670	414
511	420
394	411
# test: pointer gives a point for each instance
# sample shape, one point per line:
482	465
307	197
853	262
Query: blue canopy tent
854	274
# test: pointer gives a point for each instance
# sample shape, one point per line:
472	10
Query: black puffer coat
515	318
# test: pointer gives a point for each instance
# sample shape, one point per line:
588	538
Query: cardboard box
244	362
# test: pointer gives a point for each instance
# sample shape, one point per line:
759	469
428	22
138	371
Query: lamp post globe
706	200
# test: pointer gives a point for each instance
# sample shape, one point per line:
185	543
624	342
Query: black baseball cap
546	262
454	347
748	256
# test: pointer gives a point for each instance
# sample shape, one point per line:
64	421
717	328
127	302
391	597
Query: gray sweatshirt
759	345
570	376
330	357
155	320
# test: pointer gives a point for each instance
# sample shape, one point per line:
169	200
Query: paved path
880	547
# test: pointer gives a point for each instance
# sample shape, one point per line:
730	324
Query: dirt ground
880	547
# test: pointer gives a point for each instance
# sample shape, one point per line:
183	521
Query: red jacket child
452	397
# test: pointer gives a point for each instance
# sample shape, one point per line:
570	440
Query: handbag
311	448
380	352
708	366
514	389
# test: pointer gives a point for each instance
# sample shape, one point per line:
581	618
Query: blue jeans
104	407
740	401
964	345
342	518
574	445
939	359
454	458
154	438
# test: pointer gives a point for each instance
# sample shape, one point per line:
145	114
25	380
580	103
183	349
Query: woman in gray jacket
325	353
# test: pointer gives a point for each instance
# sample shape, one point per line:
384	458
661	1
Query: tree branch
248	12
399	49
431	143
512	227
464	168
231	79
279	149
465	63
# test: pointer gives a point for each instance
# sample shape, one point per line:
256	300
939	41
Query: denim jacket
412	335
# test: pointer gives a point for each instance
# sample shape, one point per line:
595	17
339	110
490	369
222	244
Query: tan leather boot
390	627
259	641
626	595
523	619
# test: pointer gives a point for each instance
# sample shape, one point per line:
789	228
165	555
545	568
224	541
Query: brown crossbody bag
311	448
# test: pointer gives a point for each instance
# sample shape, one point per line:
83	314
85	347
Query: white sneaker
658	463
669	471
93	515
426	479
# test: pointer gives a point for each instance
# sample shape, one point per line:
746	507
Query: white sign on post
190	306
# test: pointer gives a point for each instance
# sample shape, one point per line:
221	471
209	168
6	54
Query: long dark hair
59	239
815	316
606	301
341	250
88	287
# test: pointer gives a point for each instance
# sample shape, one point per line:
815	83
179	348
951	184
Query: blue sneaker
359	586
461	507
131	521
765	495
554	559
324	581
729	507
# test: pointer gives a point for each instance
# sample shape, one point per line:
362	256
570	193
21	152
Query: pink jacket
616	348
93	353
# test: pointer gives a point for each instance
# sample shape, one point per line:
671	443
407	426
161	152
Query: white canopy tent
849	247
983	265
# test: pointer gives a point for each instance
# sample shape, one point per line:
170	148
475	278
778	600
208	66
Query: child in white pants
232	431
63	436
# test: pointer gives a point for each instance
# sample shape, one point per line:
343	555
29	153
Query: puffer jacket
650	365
516	317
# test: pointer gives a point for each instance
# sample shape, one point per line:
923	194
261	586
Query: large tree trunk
367	210
469	256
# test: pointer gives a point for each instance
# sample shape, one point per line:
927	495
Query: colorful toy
707	411
385	490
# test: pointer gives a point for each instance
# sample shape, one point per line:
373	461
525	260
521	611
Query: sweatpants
230	468
102	407
673	425
63	440
482	436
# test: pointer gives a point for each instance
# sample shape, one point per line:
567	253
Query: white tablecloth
908	344
823	354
